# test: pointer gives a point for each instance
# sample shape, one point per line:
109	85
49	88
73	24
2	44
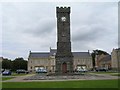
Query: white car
82	70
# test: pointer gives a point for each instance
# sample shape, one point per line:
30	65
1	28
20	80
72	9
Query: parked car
21	71
82	70
102	69
6	72
41	71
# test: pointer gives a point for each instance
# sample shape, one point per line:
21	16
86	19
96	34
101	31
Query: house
103	61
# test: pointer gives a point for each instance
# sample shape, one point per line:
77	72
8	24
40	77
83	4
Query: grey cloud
41	28
34	27
93	34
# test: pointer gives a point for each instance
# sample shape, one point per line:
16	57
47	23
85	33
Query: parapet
63	9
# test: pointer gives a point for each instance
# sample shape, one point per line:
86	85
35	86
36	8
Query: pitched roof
81	54
53	52
39	54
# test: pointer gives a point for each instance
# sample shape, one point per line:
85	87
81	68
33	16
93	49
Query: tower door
64	67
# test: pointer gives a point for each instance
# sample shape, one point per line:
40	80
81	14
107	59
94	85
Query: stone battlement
63	9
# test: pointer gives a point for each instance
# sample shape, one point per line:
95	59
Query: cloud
87	33
95	27
42	28
32	26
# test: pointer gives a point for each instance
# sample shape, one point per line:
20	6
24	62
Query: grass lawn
117	74
6	78
64	84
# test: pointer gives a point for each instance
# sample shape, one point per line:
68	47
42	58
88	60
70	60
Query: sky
31	26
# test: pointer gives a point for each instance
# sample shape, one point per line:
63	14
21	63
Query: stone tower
64	57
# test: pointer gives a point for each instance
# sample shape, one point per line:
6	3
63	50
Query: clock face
63	34
63	19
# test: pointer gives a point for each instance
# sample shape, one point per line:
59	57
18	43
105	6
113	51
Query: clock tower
64	57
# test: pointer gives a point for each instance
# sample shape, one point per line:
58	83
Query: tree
6	64
97	52
19	63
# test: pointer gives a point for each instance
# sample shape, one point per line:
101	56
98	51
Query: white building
47	60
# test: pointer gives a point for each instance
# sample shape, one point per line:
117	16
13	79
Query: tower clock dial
63	18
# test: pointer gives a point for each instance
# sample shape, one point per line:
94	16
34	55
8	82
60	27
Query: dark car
41	71
21	71
102	69
6	72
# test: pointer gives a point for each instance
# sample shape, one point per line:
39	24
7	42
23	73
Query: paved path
37	78
18	78
106	76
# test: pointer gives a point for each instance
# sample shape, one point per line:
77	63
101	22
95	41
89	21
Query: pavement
18	78
38	77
